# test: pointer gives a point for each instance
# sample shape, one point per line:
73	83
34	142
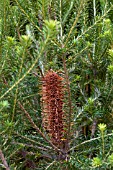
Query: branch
96	22
36	128
28	17
4	160
29	70
75	22
69	97
30	146
33	141
88	141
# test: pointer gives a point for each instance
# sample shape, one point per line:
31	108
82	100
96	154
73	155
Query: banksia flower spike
52	102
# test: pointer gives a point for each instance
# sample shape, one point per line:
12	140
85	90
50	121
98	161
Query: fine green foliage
75	40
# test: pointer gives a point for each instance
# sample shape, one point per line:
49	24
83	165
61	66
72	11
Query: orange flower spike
52	97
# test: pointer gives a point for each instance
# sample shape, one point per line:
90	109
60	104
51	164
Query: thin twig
4	160
69	97
96	22
50	165
30	146
38	66
28	17
33	141
88	141
37	129
93	129
76	20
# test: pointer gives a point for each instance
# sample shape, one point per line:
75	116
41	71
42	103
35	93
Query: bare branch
4	160
36	128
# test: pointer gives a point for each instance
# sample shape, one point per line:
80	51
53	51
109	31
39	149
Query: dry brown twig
4	160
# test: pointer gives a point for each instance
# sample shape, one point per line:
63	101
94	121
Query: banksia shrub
52	102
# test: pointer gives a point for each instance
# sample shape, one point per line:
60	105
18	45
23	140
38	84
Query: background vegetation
75	39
